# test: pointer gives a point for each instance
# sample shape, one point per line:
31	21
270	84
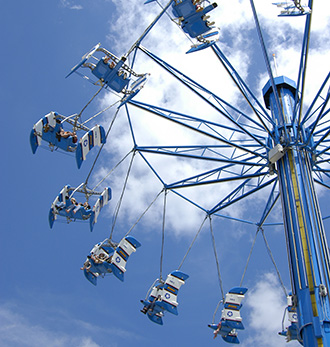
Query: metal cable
163	237
216	310
266	59
115	167
308	24
248	259
121	196
98	113
284	318
98	154
84	108
145	211
273	261
216	259
193	241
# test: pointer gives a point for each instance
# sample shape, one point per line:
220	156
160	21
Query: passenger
59	206
197	5
87	264
96	259
108	259
73	205
150	306
209	24
82	206
121	72
100	258
106	61
86	205
46	128
65	134
217	330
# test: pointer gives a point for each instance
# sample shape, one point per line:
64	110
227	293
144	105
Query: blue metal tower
307	246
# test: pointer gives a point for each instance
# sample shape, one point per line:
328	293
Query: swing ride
163	297
231	319
110	71
292	9
108	257
281	149
65	205
50	129
292	332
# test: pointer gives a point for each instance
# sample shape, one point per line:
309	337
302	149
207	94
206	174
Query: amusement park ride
283	147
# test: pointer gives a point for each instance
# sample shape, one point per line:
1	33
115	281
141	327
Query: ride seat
111	76
184	9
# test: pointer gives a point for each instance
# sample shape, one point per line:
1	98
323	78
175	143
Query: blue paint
306	241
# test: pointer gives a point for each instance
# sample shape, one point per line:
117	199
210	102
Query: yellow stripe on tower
303	237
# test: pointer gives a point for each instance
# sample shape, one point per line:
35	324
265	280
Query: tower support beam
307	248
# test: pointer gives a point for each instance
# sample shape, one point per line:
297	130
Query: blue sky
44	297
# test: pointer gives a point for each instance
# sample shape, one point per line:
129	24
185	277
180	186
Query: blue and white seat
108	257
163	297
231	319
49	128
64	206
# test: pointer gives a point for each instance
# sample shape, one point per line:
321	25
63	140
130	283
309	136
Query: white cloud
239	42
76	7
263	309
29	325
17	330
70	4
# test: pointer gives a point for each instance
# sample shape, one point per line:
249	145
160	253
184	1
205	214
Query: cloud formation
264	308
239	42
17	330
71	5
